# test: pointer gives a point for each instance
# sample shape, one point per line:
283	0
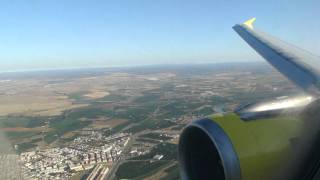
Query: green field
77	95
147	140
62	126
148	97
28	122
168	150
18	135
172	173
150	123
88	112
156	136
25	146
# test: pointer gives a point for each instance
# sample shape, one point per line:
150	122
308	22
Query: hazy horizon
135	66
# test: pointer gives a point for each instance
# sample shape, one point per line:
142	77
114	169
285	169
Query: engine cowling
228	147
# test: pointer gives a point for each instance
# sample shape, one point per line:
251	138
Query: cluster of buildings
85	152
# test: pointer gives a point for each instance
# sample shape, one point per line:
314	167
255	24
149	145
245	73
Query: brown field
69	134
34	97
98	124
40	96
28	107
96	94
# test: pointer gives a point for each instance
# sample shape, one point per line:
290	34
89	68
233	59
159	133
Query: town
80	155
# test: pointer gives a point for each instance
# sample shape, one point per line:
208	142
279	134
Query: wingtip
249	23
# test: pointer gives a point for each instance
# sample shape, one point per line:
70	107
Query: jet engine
264	140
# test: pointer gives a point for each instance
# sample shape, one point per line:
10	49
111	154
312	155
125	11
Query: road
124	155
115	166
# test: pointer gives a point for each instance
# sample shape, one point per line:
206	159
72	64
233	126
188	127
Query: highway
115	166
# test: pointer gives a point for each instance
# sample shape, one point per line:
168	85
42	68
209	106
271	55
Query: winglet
249	23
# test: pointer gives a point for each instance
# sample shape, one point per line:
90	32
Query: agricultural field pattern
117	123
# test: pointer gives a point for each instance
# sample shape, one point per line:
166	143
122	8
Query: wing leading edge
298	65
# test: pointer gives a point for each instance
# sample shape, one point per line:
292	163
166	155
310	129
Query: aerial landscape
117	123
159	90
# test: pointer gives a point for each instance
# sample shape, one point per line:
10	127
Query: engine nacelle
228	147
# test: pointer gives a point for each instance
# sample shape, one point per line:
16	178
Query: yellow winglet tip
249	23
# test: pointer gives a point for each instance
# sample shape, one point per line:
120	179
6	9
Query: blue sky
41	34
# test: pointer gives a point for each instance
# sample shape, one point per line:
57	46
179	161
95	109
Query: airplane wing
300	66
264	140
